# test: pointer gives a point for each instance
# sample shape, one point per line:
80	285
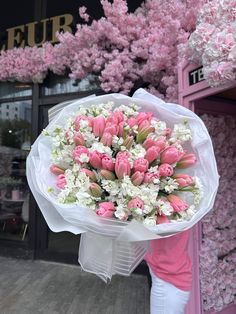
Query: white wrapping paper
109	246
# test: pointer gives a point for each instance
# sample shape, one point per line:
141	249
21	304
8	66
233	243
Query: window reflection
13	90
62	85
15	124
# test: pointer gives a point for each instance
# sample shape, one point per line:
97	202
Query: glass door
61	246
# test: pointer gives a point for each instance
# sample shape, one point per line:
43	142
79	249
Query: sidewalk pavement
39	287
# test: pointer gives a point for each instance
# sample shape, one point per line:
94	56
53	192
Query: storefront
212	244
23	114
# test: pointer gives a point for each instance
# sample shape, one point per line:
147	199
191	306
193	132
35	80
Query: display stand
195	94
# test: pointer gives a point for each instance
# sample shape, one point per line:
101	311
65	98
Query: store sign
36	33
195	76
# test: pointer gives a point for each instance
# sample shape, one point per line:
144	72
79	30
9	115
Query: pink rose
105	209
61	181
107	163
136	203
165	170
95	159
177	203
141	165
78	151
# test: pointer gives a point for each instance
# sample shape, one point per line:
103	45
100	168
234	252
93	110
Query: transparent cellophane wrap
110	246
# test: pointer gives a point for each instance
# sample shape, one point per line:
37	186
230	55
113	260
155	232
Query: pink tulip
167	131
137	178
143	124
123	155
142	116
95	159
111	128
81	117
78	151
121	129
161	143
128	142
162	219
108	175
148	177
152	153
132	122
78	139
143	133
141	164
165	170
57	170
107	163
95	190
61	181
89	174
105	209
118	116
186	161
177	203
149	142
136	203
98	125
106	139
171	155
156	175
183	179
122	167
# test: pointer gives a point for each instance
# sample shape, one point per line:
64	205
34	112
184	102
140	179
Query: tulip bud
128	142
137	178
78	139
108	175
99	125
95	190
57	170
177	203
89	173
152	153
143	133
106	139
186	161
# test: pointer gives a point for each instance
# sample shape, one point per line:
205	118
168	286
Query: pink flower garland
218	250
126	50
213	43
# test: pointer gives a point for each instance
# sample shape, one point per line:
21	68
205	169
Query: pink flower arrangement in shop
122	171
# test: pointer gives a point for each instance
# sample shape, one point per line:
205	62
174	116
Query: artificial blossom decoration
213	43
127	50
218	249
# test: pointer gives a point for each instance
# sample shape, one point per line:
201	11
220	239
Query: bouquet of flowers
122	171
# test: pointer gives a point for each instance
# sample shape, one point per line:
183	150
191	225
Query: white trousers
166	298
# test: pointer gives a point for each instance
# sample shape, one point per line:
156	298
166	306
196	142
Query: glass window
60	85
14	192
11	90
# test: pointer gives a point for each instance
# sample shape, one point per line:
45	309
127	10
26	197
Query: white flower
181	132
150	221
99	147
159	126
122	212
197	191
84	158
169	185
164	208
137	152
